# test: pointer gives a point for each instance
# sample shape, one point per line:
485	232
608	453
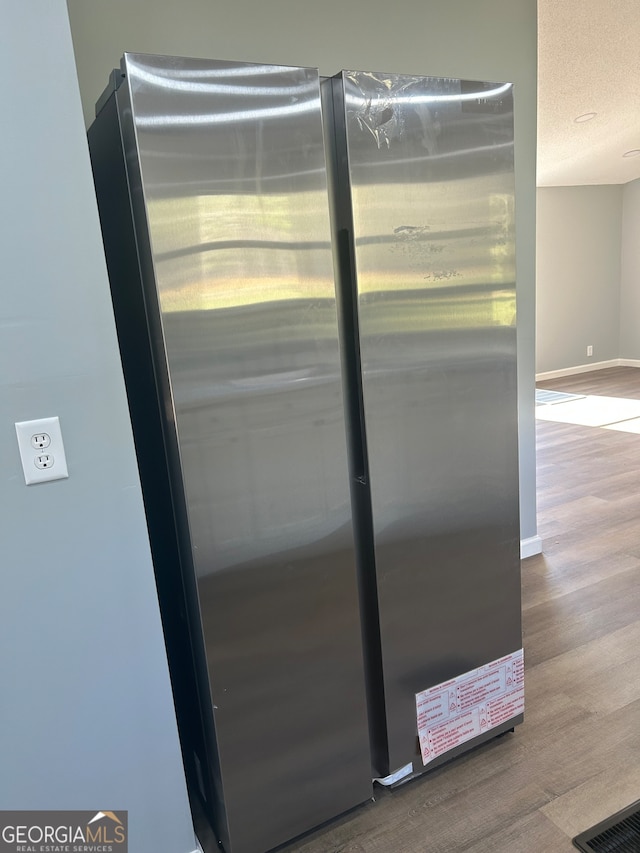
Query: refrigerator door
226	166
425	190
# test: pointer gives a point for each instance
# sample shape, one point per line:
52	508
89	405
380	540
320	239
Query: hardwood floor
576	758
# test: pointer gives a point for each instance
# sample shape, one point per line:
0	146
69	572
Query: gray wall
630	273
578	275
489	40
86	715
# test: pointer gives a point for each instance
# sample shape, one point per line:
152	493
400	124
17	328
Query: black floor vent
619	833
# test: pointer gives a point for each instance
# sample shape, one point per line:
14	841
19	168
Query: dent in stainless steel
425	196
226	165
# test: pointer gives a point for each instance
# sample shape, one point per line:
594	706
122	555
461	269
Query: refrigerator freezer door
227	169
428	169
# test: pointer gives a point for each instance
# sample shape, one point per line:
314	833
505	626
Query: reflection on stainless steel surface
239	289
279	97
426	188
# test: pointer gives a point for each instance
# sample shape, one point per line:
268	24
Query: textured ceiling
588	61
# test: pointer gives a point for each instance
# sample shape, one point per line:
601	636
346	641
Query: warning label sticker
464	707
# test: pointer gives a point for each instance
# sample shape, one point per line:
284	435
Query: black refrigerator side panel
178	603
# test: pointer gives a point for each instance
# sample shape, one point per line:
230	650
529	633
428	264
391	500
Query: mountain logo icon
111	815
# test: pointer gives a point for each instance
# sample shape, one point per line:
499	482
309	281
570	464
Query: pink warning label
462	708
434	710
477	690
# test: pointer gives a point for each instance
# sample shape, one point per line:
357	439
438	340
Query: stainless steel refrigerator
294	347
212	191
423	212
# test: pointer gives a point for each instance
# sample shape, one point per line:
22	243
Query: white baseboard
530	547
585	368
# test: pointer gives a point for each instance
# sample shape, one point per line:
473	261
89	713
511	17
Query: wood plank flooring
576	758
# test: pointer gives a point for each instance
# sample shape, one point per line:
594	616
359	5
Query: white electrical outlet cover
39	465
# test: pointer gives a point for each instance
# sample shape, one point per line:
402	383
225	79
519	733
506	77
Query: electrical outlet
40	441
589	351
33	438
